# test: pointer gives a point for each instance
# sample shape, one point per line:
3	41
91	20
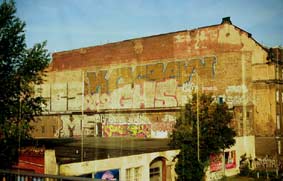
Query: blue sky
71	24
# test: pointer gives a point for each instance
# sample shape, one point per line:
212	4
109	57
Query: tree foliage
20	69
215	135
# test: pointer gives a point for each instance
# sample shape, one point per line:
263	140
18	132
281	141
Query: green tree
215	135
20	69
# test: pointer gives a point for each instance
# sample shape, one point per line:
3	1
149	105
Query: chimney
226	20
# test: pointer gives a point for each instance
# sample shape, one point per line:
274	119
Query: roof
97	148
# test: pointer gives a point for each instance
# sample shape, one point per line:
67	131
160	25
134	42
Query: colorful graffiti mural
135	130
131	124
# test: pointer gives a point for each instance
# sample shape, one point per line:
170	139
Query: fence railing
7	175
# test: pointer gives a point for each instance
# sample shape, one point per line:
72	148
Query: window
248	115
137	175
220	100
155	172
129	174
133	174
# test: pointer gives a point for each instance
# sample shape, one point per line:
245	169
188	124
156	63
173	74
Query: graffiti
138	119
212	88
134	124
162	84
236	89
234	95
265	163
215	162
230	159
165	93
135	130
137	125
147	94
71	126
144	86
122	119
168	118
234	100
163	126
189	87
58	93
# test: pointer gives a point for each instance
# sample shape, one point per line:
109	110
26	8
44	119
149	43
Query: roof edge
225	20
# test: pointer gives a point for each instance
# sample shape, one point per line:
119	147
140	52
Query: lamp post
82	129
198	126
198	135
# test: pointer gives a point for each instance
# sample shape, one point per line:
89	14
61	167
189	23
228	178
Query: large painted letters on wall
146	86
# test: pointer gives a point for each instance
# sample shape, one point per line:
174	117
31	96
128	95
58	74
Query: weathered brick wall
161	72
46	126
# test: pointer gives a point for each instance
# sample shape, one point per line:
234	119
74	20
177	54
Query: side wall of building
142	83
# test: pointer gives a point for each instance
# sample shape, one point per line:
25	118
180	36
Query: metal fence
7	175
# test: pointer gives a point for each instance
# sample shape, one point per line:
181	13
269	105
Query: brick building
136	87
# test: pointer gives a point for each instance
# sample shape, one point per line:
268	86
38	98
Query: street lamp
198	132
82	129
